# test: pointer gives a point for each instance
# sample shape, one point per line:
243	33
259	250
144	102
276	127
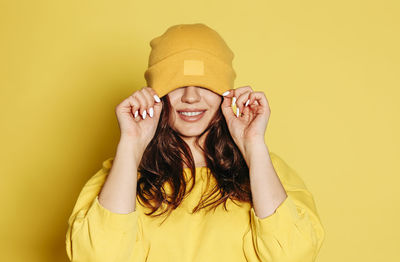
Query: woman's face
192	100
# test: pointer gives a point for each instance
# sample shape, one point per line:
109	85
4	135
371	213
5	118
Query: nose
191	94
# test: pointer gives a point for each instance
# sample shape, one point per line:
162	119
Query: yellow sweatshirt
293	233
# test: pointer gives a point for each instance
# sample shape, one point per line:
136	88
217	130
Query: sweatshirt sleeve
94	232
294	232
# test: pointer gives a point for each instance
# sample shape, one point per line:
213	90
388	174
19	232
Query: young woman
192	179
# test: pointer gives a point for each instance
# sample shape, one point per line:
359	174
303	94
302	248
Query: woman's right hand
134	116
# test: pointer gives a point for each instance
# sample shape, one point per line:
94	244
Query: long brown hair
162	162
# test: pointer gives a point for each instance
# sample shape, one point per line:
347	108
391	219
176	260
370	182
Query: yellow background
329	69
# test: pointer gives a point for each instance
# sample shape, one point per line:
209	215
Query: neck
198	155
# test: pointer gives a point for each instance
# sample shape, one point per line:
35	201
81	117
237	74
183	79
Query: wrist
130	147
254	143
253	150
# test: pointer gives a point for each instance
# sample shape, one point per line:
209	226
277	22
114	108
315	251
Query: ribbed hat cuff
203	69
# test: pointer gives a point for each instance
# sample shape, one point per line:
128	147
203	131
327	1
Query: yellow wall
330	71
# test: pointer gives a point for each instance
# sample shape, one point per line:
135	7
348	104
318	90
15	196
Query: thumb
158	108
226	105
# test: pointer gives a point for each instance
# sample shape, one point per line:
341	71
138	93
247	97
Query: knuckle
248	88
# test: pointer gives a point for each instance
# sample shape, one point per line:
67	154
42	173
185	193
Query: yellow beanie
190	55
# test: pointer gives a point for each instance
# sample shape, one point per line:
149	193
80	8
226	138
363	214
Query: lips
191	110
191	118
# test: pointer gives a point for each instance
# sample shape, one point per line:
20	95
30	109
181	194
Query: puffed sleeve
97	234
294	232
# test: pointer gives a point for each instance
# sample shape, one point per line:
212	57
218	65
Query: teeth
190	113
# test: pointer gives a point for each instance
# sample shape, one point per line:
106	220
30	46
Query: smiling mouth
191	116
191	113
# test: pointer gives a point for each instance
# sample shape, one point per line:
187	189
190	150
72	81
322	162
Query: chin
190	132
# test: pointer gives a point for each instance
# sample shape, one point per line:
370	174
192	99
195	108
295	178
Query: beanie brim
191	67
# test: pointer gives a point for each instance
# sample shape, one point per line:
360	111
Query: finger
154	94
156	101
241	100
143	104
239	91
226	105
135	106
149	100
247	113
258	99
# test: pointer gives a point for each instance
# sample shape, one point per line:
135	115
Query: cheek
172	117
216	103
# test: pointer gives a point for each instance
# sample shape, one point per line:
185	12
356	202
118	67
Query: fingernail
237	112
144	114
157	98
233	101
247	102
226	93
136	113
151	112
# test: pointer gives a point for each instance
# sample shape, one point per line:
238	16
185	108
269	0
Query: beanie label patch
193	67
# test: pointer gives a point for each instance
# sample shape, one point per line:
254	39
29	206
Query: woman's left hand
250	126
